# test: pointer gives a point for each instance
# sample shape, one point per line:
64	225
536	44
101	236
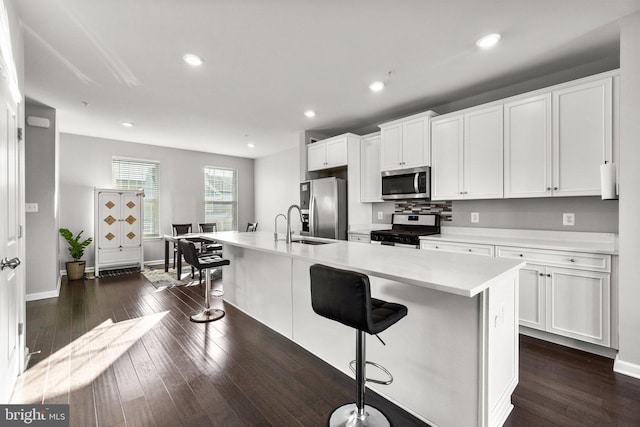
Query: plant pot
75	269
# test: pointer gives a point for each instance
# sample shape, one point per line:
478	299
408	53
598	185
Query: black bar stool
205	263
345	296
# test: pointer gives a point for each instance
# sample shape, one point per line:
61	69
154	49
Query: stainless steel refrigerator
323	203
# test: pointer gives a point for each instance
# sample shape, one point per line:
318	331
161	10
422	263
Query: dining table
192	237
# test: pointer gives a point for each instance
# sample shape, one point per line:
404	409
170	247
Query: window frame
150	200
233	203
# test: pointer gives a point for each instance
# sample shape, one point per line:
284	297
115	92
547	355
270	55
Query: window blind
137	174
221	198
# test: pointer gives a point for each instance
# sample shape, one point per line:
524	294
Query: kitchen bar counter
454	358
451	273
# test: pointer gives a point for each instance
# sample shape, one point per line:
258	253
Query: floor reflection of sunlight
80	362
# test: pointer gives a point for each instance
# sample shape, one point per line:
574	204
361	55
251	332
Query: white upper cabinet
370	177
556	142
468	155
527	147
405	142
582	134
328	153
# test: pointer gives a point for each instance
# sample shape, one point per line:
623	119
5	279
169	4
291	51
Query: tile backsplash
419	206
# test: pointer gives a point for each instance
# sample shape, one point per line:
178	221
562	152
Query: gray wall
41	228
591	213
629	288
276	188
85	163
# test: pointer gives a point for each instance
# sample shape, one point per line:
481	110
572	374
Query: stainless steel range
406	230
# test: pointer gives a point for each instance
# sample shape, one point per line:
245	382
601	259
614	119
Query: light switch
31	207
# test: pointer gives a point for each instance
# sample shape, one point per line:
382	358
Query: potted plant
75	268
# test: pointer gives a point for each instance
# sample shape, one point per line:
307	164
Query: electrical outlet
475	217
380	215
31	207
569	219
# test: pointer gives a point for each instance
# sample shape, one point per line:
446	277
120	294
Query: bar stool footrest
352	365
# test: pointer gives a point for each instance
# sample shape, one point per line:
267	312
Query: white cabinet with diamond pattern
118	229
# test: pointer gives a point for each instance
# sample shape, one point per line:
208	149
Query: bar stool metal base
347	416
207	315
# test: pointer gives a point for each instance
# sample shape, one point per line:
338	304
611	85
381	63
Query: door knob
11	263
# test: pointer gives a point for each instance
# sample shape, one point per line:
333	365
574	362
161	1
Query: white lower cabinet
564	300
469	248
360	237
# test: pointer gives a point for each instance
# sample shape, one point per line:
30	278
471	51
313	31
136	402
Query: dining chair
252	226
209	247
178	230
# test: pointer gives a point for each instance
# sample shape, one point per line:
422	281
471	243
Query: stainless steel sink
310	242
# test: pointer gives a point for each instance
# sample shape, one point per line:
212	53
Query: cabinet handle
520	255
540	274
555	188
548	275
437	247
469	250
572	260
548	188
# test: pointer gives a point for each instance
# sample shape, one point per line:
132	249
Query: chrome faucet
288	237
275	226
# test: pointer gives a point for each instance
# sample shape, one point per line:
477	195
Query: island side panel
501	331
433	353
259	283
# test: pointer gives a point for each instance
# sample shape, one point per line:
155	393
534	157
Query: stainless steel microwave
407	184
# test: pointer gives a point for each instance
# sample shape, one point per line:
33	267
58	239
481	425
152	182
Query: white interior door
12	273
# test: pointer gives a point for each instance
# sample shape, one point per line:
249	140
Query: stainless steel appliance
407	184
406	230
323	203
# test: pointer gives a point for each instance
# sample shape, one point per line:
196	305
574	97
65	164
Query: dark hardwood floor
122	353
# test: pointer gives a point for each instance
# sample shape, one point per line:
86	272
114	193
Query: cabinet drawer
599	262
469	248
363	238
108	256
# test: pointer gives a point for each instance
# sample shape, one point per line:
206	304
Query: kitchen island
454	358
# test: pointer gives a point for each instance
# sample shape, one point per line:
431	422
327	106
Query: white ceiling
267	61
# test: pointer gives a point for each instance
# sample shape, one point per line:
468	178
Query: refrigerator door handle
312	215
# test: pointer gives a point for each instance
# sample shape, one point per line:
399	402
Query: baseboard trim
626	368
611	353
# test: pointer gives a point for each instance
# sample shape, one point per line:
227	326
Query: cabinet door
582	134
415	143
131	221
482	154
109	230
578	304
532	300
336	152
446	158
370	177
316	156
527	147
392	147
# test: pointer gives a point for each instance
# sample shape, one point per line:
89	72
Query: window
140	174
220	198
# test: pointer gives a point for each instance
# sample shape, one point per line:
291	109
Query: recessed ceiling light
251	145
488	40
128	124
310	113
376	86
193	60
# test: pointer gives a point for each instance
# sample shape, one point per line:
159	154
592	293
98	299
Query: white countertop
602	243
460	274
